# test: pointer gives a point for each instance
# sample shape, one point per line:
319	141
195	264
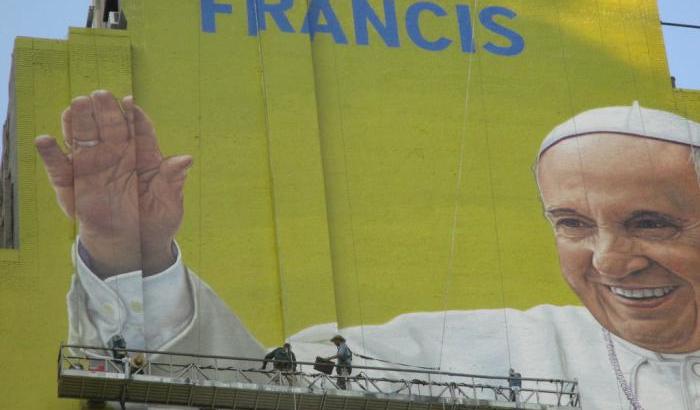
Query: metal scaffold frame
221	382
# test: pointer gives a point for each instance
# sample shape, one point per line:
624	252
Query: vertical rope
499	256
458	191
633	71
120	320
573	112
358	290
199	193
266	108
348	196
347	184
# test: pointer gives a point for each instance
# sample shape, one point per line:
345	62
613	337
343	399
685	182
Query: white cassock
183	314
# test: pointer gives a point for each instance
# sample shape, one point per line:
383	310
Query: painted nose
615	257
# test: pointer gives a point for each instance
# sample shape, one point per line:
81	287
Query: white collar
650	355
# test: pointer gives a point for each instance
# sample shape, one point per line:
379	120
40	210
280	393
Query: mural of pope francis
619	186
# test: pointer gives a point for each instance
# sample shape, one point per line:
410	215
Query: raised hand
126	197
96	182
161	183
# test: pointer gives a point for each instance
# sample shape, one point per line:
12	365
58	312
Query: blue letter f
209	10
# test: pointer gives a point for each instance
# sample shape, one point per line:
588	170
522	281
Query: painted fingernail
187	161
80	98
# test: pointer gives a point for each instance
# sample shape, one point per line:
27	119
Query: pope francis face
626	216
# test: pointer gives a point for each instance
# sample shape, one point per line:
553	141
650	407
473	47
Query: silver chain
615	363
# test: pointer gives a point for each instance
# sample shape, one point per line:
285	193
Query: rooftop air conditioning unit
116	20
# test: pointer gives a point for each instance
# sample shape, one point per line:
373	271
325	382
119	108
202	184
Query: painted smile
642	293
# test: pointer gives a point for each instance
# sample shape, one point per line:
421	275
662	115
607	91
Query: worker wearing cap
344	356
620	188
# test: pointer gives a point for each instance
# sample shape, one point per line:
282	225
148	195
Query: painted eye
573	228
652	228
570	223
651	224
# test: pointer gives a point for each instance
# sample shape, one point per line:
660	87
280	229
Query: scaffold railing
223	382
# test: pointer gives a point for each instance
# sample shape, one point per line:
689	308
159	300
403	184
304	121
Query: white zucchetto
630	120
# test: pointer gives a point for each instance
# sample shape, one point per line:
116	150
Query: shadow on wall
8	175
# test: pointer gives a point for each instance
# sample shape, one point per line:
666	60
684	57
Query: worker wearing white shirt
617	185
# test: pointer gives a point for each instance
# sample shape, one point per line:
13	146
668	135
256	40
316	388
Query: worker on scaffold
283	360
515	383
344	356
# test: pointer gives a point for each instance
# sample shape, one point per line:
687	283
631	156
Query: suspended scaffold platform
220	382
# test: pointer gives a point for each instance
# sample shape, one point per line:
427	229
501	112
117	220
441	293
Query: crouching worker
344	357
283	360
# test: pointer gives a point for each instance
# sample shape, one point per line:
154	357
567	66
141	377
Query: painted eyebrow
561	212
654	214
